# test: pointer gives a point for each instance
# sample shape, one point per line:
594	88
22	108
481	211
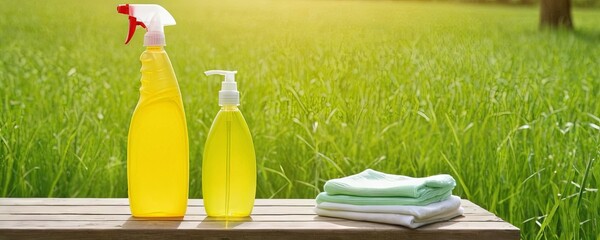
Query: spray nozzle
229	94
152	17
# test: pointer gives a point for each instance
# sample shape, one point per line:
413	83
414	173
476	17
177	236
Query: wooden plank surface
92	218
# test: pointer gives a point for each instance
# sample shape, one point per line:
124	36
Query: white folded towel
390	218
419	212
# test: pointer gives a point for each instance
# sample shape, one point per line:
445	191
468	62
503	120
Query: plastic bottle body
229	166
158	151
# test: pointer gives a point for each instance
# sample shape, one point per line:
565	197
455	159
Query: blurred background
502	95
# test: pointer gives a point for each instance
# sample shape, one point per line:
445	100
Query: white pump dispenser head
229	94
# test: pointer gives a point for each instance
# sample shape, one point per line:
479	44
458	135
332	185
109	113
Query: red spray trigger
133	23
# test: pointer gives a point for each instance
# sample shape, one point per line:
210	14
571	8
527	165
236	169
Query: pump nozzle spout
229	75
229	94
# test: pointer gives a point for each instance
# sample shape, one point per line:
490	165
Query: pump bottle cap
229	94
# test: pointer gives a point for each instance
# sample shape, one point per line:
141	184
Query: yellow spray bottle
229	162
157	146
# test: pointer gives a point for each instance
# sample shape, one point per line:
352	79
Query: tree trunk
555	14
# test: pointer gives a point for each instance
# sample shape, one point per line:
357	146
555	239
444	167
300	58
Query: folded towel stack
378	197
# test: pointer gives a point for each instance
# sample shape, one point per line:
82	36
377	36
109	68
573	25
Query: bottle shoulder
151	54
163	104
234	117
230	115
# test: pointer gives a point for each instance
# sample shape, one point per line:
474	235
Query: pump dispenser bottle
229	162
157	145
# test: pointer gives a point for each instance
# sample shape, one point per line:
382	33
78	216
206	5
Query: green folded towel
371	183
356	200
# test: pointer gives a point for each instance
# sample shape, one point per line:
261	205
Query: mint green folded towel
371	183
356	200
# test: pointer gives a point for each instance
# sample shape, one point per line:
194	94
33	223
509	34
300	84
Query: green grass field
329	88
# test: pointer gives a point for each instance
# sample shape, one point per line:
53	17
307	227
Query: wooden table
92	218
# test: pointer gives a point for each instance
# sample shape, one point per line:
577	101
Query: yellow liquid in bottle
229	166
157	151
